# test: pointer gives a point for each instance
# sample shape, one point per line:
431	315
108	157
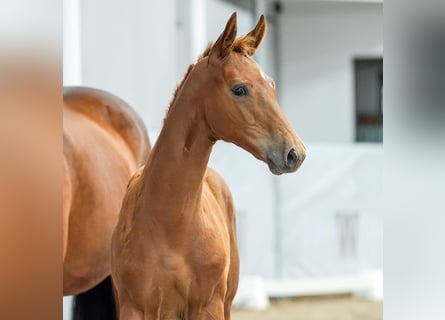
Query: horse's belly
87	261
100	172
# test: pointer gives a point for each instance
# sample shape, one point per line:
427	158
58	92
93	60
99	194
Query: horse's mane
242	45
189	69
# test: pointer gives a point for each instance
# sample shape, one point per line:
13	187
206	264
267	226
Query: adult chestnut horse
174	250
104	142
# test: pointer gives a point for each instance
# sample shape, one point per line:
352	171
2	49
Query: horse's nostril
291	159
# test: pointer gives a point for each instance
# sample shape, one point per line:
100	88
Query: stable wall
127	48
319	41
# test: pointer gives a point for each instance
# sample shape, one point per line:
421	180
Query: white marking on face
262	74
266	77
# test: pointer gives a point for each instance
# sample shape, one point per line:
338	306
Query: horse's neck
173	177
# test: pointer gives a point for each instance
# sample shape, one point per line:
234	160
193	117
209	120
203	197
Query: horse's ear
257	34
224	43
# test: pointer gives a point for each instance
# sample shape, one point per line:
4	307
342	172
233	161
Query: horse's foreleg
213	311
233	276
127	312
232	284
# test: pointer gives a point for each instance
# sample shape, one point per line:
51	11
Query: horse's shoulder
219	187
214	179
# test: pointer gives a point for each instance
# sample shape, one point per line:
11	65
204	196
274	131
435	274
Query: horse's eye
239	90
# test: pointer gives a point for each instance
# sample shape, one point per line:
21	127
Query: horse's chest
190	279
210	248
209	257
191	269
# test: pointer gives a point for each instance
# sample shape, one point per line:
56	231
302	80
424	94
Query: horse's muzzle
285	162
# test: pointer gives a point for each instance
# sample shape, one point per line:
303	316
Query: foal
174	250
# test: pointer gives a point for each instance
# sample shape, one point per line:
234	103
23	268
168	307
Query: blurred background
310	242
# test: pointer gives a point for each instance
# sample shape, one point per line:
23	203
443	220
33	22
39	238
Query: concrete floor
322	308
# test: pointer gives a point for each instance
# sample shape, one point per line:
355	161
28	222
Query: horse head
240	103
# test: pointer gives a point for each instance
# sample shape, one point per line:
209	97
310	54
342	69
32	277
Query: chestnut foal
174	249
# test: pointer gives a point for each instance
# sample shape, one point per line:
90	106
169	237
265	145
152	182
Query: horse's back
104	143
112	114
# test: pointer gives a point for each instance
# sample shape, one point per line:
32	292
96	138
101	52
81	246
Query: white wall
72	66
319	42
129	49
217	14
